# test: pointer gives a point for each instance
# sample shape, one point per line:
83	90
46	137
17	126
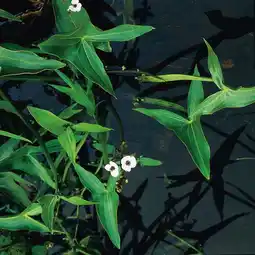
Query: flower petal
124	160
115	172
74	2
113	164
126	167
133	162
107	167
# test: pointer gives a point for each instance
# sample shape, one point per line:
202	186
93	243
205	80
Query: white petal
71	8
75	2
133	161
78	7
107	167
125	159
113	164
115	172
126	168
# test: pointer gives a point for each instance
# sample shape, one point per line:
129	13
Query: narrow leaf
107	214
75	200
6	15
143	161
11	135
92	128
48	120
89	180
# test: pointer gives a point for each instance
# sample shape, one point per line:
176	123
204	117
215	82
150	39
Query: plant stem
69	238
39	139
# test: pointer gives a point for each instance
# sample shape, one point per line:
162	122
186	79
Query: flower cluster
75	6
127	163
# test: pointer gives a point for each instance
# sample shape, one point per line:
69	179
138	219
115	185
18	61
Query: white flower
75	6
113	168
128	162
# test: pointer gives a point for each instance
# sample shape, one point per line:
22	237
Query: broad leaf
80	54
160	102
214	67
143	161
48	120
48	204
227	98
91	128
196	94
118	34
13	46
69	112
24	62
172	77
6	15
107	214
11	135
68	143
8	184
89	180
75	200
189	132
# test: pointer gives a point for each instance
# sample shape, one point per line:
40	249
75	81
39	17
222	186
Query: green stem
68	236
39	139
31	78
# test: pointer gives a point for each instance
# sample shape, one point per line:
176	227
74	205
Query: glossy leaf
75	200
23	221
89	180
48	120
48	204
160	102
227	98
8	107
68	143
214	67
92	128
81	55
6	15
33	210
144	161
189	132
9	185
118	34
11	135
196	94
24	62
69	112
107	214
171	77
13	46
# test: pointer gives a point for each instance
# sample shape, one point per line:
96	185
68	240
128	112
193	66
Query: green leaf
160	102
169	119
75	200
33	210
89	180
11	135
80	54
22	221
214	67
172	77
24	62
69	112
68	143
39	250
8	107
77	93
110	148
143	161
13	46
8	148
227	98
48	120
196	94
189	132
6	15
120	33
48	204
107	214
69	22
24	161
92	128
9	185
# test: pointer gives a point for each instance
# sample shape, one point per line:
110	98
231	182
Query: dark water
213	214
